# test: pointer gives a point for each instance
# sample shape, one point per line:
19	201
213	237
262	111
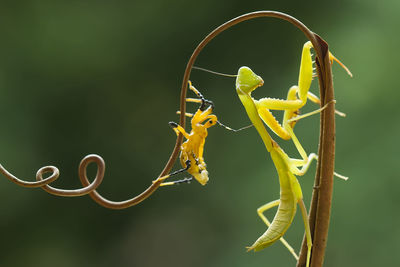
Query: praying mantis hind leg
260	212
304	165
307	228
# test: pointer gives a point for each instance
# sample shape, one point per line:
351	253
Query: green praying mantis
192	161
259	111
290	193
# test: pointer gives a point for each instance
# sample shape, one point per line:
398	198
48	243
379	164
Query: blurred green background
81	77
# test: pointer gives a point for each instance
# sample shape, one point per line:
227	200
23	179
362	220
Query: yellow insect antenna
234	130
214	72
331	57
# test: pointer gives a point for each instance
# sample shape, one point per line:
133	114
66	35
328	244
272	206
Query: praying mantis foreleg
296	98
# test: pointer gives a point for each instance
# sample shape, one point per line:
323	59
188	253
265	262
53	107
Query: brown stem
320	209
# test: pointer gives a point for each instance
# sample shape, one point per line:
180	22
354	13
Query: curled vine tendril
55	173
88	188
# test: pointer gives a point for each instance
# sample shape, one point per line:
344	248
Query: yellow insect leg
163	178
201	116
178	129
194	89
185	180
260	212
186	114
193	100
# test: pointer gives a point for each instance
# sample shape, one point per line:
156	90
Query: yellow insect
191	156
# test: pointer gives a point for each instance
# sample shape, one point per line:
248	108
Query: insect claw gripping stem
205	104
173	124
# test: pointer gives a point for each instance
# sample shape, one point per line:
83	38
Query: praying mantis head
247	80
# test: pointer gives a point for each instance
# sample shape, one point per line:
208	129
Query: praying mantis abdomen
281	222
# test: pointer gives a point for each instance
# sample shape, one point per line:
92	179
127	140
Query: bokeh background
81	77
